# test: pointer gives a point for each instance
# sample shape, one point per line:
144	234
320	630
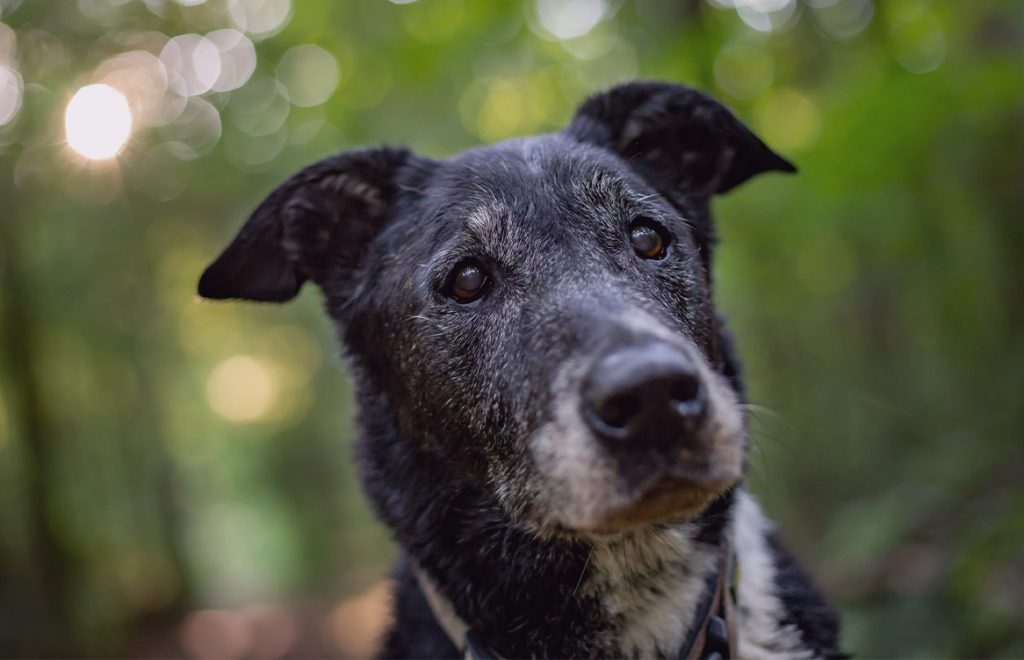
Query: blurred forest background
175	477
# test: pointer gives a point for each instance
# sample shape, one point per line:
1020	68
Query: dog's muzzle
648	434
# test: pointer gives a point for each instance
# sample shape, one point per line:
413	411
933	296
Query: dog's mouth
648	486
675	497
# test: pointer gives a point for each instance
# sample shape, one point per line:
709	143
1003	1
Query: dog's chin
671	499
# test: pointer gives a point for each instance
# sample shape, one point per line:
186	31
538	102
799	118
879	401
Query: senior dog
550	408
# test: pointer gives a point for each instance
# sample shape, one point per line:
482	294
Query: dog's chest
649	586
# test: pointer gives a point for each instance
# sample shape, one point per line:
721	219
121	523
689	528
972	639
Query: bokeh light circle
237	59
11	90
193	63
568	19
241	389
260	18
309	73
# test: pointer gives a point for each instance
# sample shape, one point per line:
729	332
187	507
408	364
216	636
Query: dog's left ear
314	226
676	137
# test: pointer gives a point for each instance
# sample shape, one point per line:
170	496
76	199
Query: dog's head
537	314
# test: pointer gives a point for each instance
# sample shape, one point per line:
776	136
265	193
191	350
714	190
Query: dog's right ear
314	224
675	136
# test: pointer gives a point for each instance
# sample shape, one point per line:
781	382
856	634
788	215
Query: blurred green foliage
158	455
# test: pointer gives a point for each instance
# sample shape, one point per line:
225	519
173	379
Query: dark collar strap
712	634
475	650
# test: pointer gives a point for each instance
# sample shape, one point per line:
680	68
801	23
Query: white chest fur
759	608
651	583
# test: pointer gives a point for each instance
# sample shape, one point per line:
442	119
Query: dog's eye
649	240
468	282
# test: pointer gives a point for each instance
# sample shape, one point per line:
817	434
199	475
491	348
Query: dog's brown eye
649	241
469	282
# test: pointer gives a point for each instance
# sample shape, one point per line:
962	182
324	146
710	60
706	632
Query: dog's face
537	313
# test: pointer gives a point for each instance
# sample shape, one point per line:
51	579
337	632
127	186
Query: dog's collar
711	636
452	624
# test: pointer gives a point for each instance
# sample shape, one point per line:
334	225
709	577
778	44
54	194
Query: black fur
461	405
805	606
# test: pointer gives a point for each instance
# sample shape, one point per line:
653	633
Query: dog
550	408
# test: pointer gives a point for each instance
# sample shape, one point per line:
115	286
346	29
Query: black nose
650	394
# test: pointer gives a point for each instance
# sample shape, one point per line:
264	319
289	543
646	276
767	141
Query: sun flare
98	122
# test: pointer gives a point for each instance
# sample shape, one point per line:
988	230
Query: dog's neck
648	586
632	595
639	594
